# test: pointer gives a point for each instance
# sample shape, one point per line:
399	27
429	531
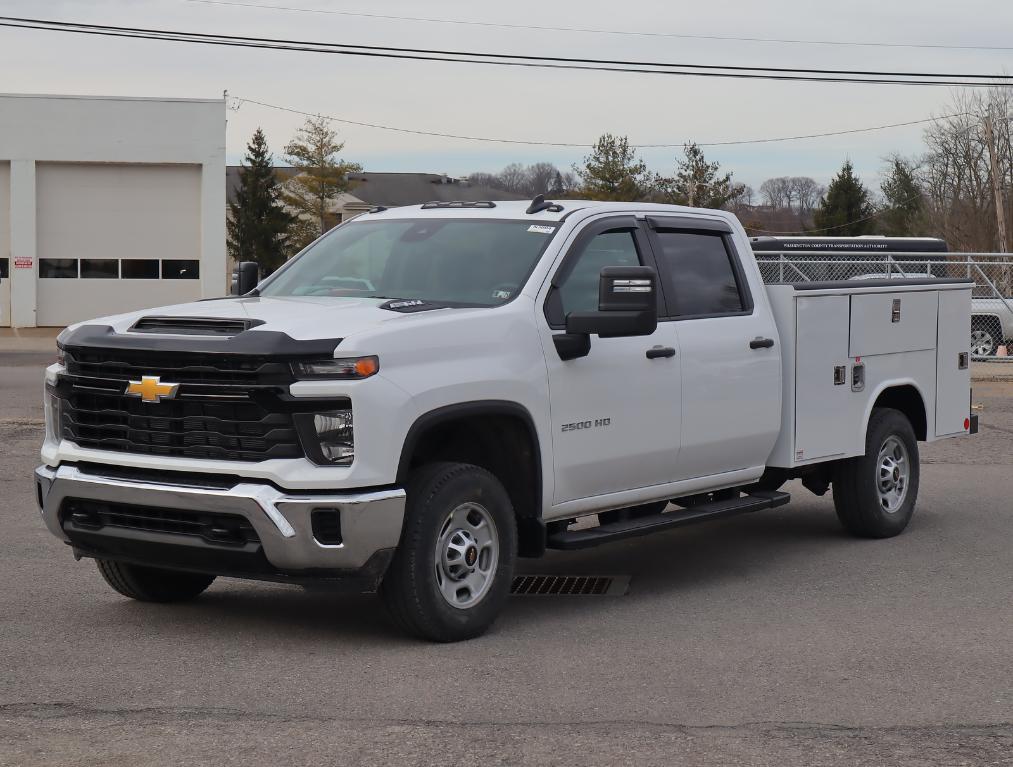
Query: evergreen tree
698	183
258	222
321	175
902	215
557	187
845	210
613	171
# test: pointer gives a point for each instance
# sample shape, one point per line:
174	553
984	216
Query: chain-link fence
991	331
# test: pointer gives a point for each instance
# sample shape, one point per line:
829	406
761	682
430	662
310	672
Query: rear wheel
875	494
452	569
152	584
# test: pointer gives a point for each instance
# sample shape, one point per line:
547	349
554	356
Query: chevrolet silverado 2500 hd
427	393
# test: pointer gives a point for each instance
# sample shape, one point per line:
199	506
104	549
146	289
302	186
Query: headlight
328	437
348	367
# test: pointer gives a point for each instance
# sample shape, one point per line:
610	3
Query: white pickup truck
427	393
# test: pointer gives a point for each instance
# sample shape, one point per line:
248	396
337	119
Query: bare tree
956	173
776	192
806	193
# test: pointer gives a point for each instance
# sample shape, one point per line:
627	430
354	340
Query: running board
614	531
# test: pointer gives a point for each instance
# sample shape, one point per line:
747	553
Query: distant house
390	190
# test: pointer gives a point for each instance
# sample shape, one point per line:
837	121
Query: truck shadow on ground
662	566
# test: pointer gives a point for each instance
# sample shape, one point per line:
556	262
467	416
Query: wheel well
498	437
909	401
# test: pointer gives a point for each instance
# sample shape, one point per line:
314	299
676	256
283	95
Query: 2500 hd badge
580	425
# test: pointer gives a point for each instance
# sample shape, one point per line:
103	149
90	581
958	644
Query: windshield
457	262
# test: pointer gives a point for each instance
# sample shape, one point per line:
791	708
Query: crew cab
426	393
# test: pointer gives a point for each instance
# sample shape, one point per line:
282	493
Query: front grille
229	529
178	367
227	407
190	427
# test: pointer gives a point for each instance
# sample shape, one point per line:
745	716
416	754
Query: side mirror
245	278
627	306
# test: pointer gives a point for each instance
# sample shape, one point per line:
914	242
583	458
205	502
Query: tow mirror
627	306
245	278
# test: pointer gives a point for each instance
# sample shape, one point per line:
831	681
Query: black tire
860	506
632	512
986	336
151	584
411	587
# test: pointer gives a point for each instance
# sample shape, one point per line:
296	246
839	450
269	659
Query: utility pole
1000	207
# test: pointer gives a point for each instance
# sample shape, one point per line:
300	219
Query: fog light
335	435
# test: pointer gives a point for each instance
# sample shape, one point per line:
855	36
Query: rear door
731	377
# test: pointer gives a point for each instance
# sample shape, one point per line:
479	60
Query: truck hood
300	317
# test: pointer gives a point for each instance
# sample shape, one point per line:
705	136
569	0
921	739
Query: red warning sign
23	263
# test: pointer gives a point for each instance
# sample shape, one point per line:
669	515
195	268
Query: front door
616	412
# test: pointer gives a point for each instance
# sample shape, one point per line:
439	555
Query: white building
108	205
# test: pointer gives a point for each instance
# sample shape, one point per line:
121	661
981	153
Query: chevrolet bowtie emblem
151	389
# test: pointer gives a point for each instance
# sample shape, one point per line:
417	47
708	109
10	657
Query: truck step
614	531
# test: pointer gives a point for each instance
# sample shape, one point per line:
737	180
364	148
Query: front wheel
875	494
451	573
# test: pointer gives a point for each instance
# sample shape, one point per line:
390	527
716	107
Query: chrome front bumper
370	520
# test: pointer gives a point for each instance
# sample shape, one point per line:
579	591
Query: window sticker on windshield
541	229
501	295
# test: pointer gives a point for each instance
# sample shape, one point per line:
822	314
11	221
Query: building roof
395	189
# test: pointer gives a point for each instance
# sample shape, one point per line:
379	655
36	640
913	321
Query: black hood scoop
194	326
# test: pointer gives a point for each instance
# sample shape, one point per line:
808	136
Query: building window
5	268
139	269
177	269
55	268
100	268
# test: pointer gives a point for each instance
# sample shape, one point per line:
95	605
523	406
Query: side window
698	275
579	291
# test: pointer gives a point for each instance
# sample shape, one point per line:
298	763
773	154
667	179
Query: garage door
5	244
115	238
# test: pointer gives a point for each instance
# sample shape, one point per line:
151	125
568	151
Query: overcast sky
532	104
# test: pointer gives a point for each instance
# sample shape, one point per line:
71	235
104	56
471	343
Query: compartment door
886	323
821	404
953	374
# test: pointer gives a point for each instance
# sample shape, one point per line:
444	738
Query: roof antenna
540	203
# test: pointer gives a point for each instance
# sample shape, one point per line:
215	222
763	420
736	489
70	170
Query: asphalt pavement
768	639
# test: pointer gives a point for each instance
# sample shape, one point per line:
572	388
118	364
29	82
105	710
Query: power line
517	60
583	145
592	30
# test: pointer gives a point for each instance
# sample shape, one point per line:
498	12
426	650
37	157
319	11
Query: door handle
659	352
761	343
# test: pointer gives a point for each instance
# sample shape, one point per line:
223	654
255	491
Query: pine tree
698	183
320	177
258	222
613	171
902	215
845	210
